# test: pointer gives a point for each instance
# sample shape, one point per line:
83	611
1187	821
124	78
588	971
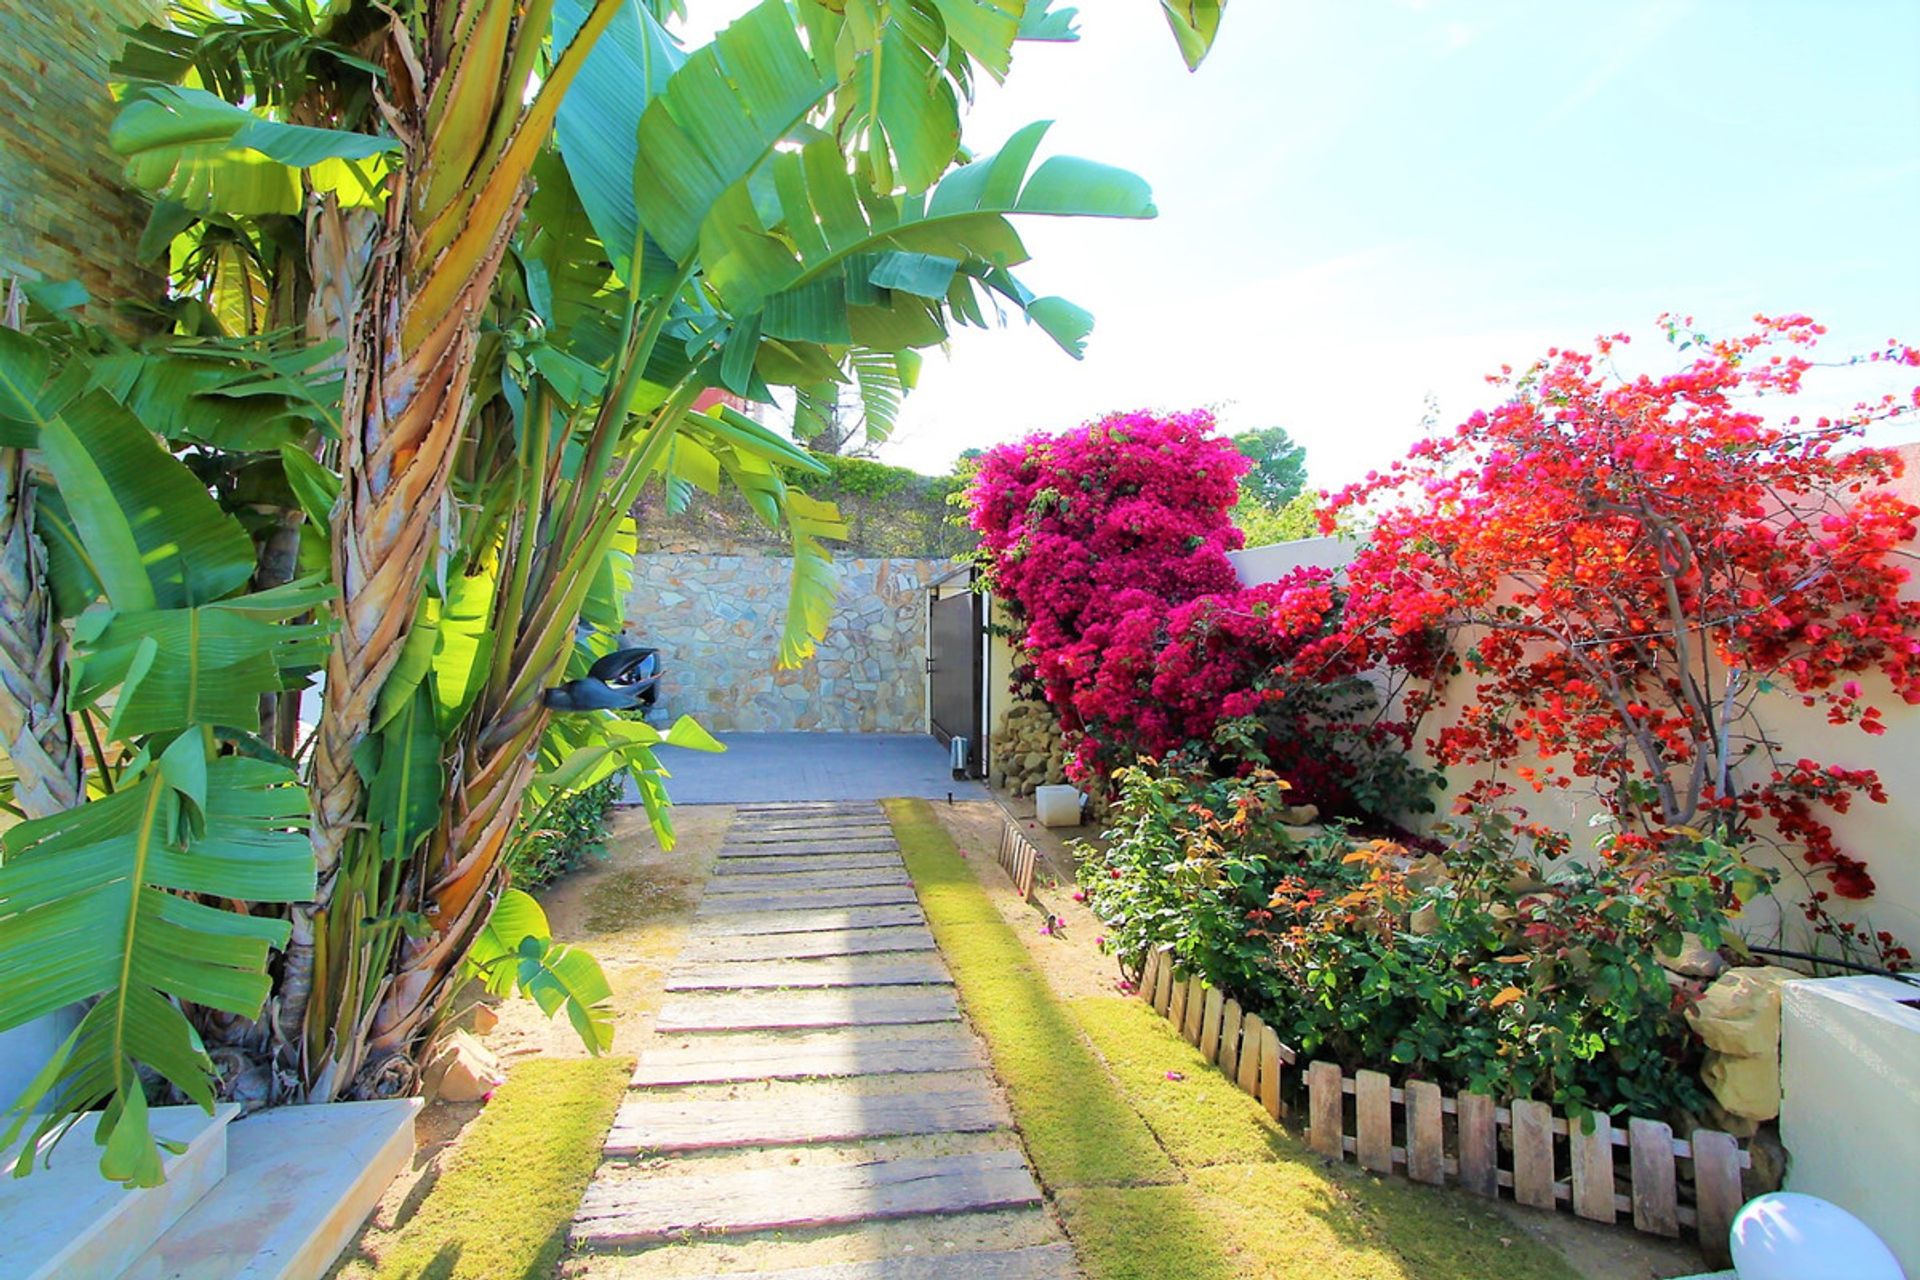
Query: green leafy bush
1497	964
555	839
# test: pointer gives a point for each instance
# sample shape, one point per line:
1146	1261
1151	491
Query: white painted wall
1850	1102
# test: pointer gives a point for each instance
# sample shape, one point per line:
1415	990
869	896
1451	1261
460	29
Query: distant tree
1279	466
1263	524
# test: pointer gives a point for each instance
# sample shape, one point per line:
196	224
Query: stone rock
1424	921
483	1019
1740	1012
1768	1172
1744	1086
1718	1117
1427	871
1695	959
1300	815
462	1070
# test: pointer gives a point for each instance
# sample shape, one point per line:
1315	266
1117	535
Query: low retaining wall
717	621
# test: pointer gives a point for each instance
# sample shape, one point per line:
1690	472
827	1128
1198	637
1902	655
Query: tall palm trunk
454	200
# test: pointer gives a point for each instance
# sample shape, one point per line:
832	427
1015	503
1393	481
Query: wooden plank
1532	1153
778	1119
1326	1106
810	847
1229	1055
806	899
1479	1144
770	1010
1035	1262
818	832
1716	1192
788	881
1196	1009
1271	1054
804	806
1163	986
733	868
887	969
1177	1002
1656	1204
1251	1042
1592	1159
648	1209
1211	1010
807	944
763	922
721	1058
1373	1119
1426	1146
1149	974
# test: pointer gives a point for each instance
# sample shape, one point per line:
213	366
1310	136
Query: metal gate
956	673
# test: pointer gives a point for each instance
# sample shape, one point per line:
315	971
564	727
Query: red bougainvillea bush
1108	545
1636	569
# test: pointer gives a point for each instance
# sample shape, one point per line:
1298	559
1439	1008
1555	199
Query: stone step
846	1051
300	1181
809	844
725	948
729	868
887	969
1038	1262
818	920
829	1114
648	1209
65	1220
876	895
773	1010
776	881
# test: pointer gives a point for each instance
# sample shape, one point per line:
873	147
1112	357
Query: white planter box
1850	1101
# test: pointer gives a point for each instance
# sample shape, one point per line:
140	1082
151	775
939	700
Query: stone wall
65	212
717	620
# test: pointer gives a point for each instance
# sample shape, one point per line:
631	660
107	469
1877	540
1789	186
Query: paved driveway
814	766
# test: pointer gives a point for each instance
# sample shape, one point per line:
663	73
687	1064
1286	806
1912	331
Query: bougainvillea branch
1639	568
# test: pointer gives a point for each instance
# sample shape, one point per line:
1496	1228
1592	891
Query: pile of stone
1027	750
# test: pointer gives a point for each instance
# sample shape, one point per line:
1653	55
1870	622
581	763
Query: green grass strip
1159	1179
1078	1129
501	1209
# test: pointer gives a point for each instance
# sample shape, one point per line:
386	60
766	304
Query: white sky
1366	203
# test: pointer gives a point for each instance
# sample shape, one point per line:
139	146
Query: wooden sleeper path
809	1009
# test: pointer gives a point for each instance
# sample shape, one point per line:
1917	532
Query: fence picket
1656	1205
1592	1157
1532	1153
1373	1108
1716	1192
1271	1056
1196	1009
1210	1017
1251	1040
1163	985
1229	1055
1479	1144
1177	1002
1326	1105
1426	1152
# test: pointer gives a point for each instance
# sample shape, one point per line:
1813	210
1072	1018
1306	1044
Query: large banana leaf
1195	23
91	906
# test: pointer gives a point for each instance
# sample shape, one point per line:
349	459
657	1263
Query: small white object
1789	1235
1057	806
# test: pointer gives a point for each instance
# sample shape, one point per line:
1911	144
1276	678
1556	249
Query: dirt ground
1073	964
630	908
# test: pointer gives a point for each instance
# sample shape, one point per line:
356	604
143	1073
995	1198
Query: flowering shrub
1467	967
1109	546
1634	565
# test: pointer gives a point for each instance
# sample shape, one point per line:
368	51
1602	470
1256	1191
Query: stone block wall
717	619
65	213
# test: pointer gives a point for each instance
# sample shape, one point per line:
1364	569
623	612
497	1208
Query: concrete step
300	1181
65	1220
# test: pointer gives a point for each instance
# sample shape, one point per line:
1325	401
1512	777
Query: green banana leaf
516	952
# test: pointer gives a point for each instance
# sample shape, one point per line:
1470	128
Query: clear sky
1364	203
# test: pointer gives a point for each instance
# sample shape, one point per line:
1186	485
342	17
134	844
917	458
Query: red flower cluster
1634	566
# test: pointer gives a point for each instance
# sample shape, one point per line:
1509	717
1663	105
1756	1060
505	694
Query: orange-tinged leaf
1506	995
1510	959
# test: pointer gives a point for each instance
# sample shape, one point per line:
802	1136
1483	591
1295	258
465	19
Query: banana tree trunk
35	730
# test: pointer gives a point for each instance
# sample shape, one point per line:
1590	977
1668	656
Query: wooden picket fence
1018	858
1469	1139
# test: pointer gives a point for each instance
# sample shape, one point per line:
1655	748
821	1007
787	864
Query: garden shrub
1108	545
1517	976
555	839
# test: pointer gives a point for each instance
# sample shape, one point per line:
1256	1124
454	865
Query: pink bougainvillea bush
1638	568
1108	545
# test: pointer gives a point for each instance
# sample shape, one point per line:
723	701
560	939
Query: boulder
483	1019
1744	1086
1424	921
1695	959
1740	1012
462	1070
